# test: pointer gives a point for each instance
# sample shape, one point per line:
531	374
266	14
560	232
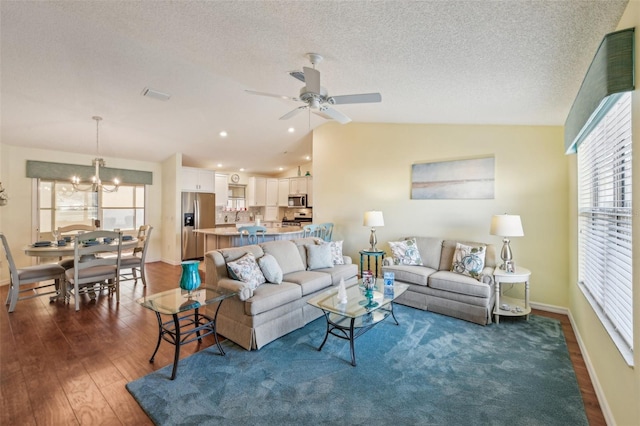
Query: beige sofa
256	317
433	287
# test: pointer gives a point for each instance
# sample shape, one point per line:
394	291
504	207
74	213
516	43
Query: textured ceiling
488	62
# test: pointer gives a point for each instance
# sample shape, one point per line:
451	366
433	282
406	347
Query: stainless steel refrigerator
198	212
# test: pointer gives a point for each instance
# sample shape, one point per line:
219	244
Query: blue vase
190	278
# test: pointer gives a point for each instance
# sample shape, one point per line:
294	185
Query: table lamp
373	218
505	226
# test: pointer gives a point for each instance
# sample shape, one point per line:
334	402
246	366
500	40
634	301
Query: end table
187	320
369	254
516	307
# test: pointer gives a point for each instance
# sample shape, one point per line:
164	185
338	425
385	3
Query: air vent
155	94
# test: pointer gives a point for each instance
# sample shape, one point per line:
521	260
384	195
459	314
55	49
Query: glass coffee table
352	319
187	320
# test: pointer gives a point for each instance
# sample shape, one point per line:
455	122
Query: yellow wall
619	384
360	167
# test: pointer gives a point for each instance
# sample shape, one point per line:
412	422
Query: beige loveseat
434	287
258	316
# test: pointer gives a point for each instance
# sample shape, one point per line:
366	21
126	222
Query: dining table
55	250
68	250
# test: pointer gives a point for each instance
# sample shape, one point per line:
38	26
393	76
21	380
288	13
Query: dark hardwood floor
62	367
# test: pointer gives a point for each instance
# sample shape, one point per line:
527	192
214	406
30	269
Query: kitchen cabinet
256	191
298	185
283	192
198	180
222	189
271	213
271	197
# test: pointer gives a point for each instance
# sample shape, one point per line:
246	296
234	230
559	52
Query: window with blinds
604	220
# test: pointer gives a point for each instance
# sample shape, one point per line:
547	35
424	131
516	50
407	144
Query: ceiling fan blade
355	99
294	112
312	79
253	92
334	114
297	74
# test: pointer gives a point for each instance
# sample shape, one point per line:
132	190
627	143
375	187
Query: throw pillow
336	252
270	268
405	252
468	260
318	256
246	270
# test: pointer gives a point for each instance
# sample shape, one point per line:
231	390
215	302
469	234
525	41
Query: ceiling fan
316	97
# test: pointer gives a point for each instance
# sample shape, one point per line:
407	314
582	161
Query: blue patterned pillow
469	260
405	252
336	252
246	269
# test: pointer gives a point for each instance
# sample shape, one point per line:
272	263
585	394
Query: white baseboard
602	400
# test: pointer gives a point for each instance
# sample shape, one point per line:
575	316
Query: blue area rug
429	370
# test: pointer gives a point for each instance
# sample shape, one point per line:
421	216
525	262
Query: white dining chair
71	231
92	273
31	279
134	262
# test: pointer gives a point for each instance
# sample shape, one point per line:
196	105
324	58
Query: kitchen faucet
237	217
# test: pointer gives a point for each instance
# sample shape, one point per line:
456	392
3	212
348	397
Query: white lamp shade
506	225
373	218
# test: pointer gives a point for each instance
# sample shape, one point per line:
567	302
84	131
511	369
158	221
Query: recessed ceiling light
219	165
223	134
308	157
291	130
242	169
281	168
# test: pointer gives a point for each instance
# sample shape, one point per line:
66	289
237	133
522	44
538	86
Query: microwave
297	201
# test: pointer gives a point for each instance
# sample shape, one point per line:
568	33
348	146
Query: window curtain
62	171
610	74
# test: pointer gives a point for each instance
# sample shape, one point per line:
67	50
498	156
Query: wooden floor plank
59	366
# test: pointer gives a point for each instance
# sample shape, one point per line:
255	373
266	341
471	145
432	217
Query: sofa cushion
286	253
457	283
430	249
271	296
309	281
468	260
405	252
417	275
246	270
318	256
346	272
270	268
235	253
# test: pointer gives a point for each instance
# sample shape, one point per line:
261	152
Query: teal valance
610	74
62	171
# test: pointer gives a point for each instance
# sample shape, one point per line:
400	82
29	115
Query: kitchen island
228	236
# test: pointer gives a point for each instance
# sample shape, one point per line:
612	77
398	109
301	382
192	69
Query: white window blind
604	219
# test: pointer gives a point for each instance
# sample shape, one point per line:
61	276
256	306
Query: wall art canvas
458	179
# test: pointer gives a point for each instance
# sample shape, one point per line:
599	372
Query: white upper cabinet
298	185
256	191
283	192
198	180
222	189
272	193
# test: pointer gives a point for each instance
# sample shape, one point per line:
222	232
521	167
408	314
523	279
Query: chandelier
96	184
